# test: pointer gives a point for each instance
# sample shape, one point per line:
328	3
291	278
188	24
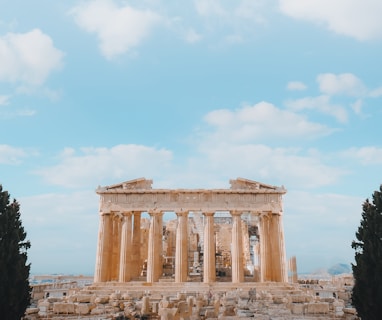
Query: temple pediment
246	184
136	184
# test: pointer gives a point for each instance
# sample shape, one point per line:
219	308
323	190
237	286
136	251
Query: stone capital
181	213
104	213
209	214
236	213
127	213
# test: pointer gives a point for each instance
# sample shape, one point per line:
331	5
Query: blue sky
190	94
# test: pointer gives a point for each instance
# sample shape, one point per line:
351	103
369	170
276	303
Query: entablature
244	195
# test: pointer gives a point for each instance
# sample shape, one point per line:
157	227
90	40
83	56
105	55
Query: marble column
126	248
154	257
102	269
237	249
181	249
272	247
276	236
209	267
264	248
116	246
136	265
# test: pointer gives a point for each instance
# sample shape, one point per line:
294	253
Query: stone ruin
223	257
309	300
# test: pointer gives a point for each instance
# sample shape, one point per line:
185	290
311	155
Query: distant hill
339	269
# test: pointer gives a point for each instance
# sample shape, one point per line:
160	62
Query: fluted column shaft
154	258
209	267
279	268
102	269
126	248
116	247
264	249
272	247
237	248
181	249
136	245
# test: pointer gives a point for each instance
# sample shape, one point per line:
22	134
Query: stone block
29	311
297	308
84	298
82	308
64	308
350	311
43	305
229	310
115	296
209	313
297	298
242	303
318	308
102	299
279	299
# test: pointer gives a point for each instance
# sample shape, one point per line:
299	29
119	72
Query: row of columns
119	247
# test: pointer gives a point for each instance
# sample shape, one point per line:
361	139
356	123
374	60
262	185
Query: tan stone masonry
119	255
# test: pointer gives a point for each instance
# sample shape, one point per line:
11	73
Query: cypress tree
15	290
367	270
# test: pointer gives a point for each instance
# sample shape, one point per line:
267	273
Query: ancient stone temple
233	234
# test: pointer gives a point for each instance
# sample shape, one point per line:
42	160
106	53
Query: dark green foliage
367	271
14	271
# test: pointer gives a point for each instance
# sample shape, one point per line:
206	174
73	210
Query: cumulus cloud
253	123
320	103
93	166
119	29
28	58
237	19
358	19
369	155
210	7
375	93
283	165
233	144
345	84
296	85
11	155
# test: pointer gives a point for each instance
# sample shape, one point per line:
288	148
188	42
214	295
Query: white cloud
233	144
289	166
345	83
357	106
119	29
370	155
354	18
235	20
296	85
253	123
210	8
28	58
4	100
95	166
376	92
192	36
11	155
322	104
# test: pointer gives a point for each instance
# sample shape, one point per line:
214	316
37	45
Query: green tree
367	270
14	271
